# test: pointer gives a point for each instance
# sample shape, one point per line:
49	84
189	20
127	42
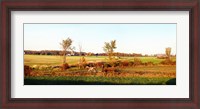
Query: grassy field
57	60
132	75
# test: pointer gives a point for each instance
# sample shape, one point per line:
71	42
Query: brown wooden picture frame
193	6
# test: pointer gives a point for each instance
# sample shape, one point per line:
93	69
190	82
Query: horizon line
103	52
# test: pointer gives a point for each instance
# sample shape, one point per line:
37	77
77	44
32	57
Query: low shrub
56	66
110	69
148	63
65	66
90	64
168	62
27	70
173	63
131	63
162	57
106	64
116	63
100	64
124	63
137	61
74	65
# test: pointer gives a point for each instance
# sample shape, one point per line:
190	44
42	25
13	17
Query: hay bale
35	67
43	67
56	69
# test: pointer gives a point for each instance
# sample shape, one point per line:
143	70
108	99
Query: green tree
109	48
66	45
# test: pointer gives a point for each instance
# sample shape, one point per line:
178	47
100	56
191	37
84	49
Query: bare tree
72	50
109	48
66	45
80	49
168	52
81	58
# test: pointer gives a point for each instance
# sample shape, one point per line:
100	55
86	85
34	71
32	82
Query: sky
130	38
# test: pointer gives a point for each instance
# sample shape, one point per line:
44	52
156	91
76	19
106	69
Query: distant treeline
59	52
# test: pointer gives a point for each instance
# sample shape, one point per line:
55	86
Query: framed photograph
100	54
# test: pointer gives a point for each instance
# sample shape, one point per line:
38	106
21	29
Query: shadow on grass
171	81
63	82
82	82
